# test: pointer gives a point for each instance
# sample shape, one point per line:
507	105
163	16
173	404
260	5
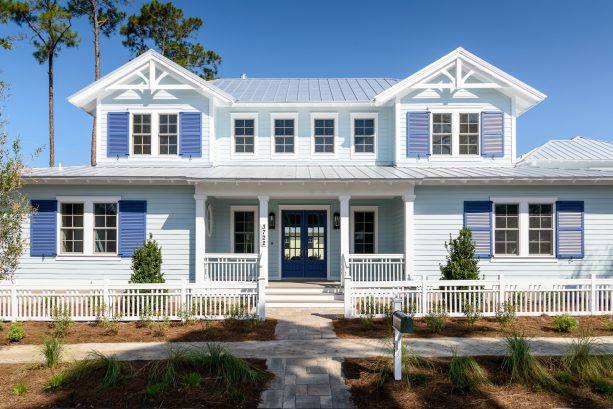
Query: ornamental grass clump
62	321
52	351
114	371
581	361
465	373
525	368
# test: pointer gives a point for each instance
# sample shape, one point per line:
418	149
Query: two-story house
296	178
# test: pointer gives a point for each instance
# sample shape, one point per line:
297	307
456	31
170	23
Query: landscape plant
564	323
20	389
55	382
525	368
114	371
16	332
436	320
61	321
52	351
581	361
472	314
461	261
465	373
505	314
147	263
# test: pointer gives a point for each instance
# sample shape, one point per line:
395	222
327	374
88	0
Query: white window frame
455	132
283	115
355	209
524	226
157	134
155	129
324	115
154	145
245	208
88	225
460	112
364	115
244	115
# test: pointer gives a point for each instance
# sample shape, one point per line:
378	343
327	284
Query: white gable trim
83	98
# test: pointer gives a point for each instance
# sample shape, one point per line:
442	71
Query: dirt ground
457	327
228	330
437	392
88	392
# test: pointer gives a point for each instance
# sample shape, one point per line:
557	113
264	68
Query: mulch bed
457	327
197	331
88	392
437	391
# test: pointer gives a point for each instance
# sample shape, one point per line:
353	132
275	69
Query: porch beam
409	231
200	241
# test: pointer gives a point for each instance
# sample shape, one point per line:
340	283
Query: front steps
304	294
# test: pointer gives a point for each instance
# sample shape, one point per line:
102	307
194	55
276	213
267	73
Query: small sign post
403	324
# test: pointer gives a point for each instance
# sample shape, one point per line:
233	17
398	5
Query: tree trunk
97	74
51	116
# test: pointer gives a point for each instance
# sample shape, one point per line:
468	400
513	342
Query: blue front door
304	244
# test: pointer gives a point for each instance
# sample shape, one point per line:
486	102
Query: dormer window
441	134
469	134
168	134
141	134
455	133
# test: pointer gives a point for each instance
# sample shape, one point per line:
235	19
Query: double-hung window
141	134
441	134
469	134
284	135
105	228
323	135
244	135
364	131
455	133
168	134
72	228
506	229
540	234
243	229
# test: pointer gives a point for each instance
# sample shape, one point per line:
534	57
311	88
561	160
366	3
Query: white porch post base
200	241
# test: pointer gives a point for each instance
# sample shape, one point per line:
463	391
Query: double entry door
304	244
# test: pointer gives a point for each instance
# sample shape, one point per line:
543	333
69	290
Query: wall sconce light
271	220
336	220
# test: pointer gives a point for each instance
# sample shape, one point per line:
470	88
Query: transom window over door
168	134
244	135
71	238
105	228
244	231
441	134
324	135
364	135
364	231
284	135
506	229
540	236
469	134
141	134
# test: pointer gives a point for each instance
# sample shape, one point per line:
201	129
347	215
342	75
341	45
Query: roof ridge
304	78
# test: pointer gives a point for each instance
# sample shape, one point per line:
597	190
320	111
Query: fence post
347	297
593	303
262	297
14	309
106	300
500	291
424	295
186	311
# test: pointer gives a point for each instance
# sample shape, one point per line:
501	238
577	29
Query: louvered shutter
132	226
190	137
418	134
118	134
43	228
569	221
492	134
478	218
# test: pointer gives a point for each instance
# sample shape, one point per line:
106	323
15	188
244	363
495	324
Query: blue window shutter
492	134
478	218
569	223
132	226
118	133
190	138
418	134
43	228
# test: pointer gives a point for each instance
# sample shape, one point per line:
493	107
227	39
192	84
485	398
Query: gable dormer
458	110
152	109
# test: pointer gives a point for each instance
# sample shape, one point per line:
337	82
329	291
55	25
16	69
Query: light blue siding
438	213
170	218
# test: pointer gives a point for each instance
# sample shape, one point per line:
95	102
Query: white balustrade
231	267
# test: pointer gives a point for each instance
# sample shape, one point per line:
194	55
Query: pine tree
461	261
147	263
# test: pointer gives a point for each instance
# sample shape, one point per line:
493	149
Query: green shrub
564	323
111	325
564	377
580	360
523	367
472	314
436	320
505	313
147	263
61	321
608	325
465	373
152	391
191	379
55	382
603	387
461	261
20	389
52	351
16	332
145	318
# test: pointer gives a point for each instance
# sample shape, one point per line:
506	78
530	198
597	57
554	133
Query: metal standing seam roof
304	89
313	172
578	148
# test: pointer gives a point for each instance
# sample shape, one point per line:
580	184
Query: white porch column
409	227
263	236
200	242
344	202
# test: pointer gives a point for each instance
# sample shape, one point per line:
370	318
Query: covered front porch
303	231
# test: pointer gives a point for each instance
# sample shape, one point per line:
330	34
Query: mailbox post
403	324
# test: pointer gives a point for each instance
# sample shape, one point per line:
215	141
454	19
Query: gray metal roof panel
304	89
576	149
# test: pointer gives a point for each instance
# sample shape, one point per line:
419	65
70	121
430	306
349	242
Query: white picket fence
231	267
129	302
591	296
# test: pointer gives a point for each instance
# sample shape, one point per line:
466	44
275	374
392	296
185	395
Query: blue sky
562	48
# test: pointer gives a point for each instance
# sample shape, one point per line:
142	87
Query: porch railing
375	267
231	267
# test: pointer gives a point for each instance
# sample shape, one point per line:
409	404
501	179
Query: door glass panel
292	232
316	238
